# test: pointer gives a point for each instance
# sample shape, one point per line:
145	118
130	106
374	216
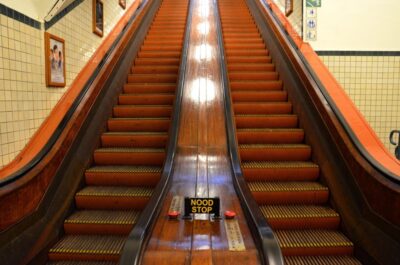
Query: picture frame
98	17
54	60
122	3
288	7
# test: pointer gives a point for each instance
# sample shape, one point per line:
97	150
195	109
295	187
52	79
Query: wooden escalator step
146	99
123	175
134	139
253	76
248	67
129	156
270	135
257	96
159	69
252	59
154	124
317	242
77	262
274	152
280	171
149	88
266	121
265	108
88	247
101	222
152	78
321	260
289	192
256	85
301	216
133	111
113	197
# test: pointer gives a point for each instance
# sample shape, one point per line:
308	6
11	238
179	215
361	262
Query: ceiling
41	10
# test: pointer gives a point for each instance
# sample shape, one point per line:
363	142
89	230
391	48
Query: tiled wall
373	83
296	18
25	101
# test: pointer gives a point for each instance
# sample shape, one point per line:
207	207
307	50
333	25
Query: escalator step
134	139
149	69
256	85
252	59
157	61
160	54
313	242
244	46
134	111
123	175
321	260
256	96
289	192
274	152
301	216
146	99
100	222
266	121
157	124
75	262
246	52
112	197
244	76
265	108
129	156
251	67
88	247
282	171
150	88
268	136
152	78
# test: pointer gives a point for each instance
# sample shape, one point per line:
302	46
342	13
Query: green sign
313	3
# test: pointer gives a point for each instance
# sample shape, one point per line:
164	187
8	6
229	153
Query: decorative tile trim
358	53
11	13
60	15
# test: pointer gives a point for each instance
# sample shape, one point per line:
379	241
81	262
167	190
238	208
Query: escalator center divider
134	246
262	233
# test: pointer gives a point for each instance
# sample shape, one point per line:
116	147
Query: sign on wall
313	3
288	7
311	19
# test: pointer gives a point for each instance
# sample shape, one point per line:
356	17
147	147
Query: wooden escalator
275	161
129	162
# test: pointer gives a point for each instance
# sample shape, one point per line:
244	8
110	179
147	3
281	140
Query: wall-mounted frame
98	17
122	3
288	7
55	60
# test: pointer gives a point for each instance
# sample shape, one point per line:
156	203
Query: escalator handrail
67	117
336	110
265	239
134	246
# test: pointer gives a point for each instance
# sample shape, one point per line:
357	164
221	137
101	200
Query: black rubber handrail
314	77
134	245
67	117
265	239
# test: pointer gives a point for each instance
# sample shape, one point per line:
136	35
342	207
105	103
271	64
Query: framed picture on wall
122	3
288	7
98	17
55	60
